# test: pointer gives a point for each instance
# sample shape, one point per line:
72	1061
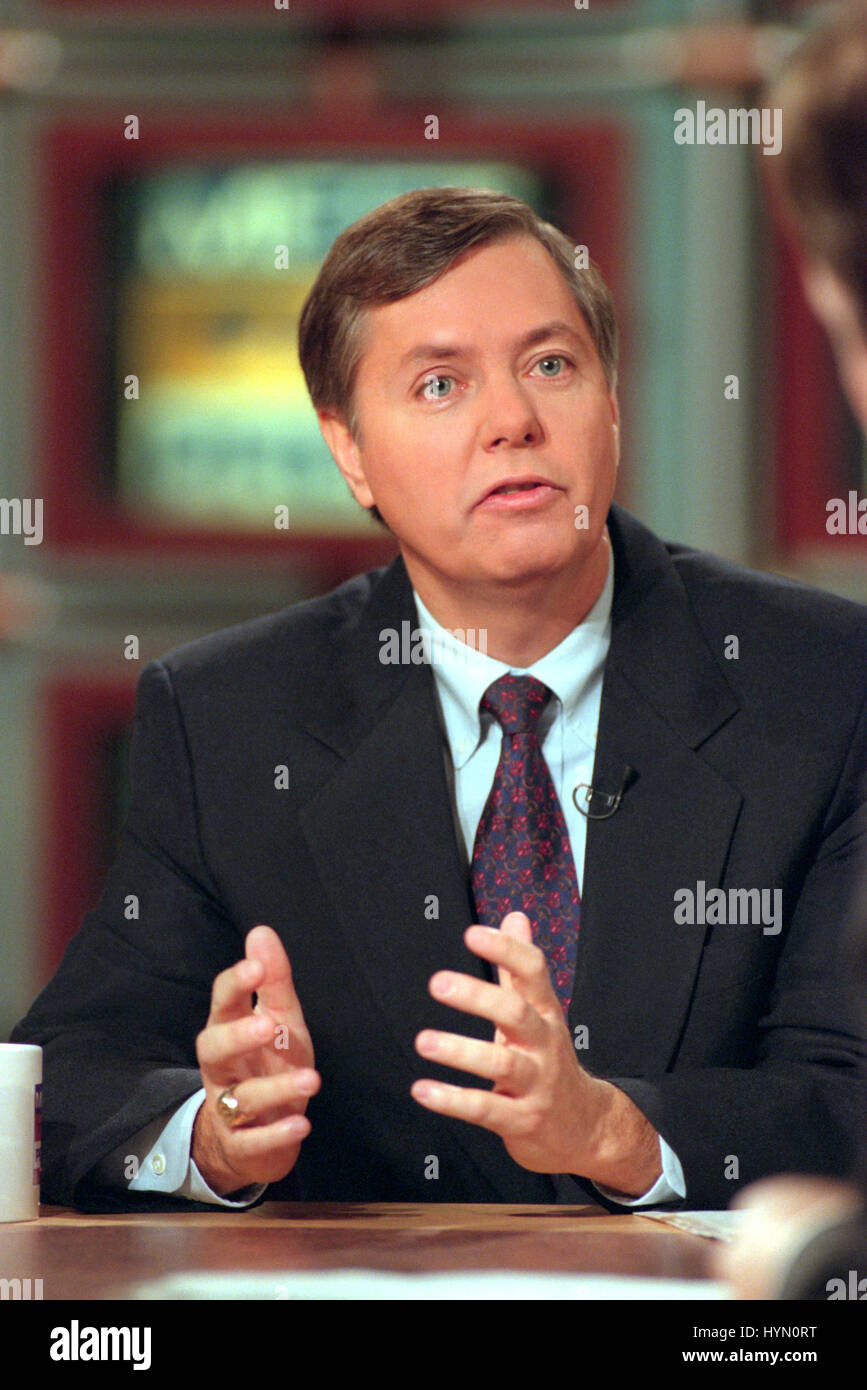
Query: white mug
20	1131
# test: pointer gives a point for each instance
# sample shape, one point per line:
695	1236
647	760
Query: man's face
486	375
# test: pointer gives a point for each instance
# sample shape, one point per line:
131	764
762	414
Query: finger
520	964
277	989
515	926
232	990
506	1008
259	1097
257	1141
220	1045
502	1114
514	1072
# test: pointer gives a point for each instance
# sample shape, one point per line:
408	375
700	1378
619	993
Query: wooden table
101	1257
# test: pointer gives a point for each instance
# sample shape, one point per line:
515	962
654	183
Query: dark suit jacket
747	770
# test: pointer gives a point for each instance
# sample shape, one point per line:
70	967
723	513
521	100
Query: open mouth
520	496
514	487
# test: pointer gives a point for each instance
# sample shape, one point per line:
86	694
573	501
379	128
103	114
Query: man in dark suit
651	992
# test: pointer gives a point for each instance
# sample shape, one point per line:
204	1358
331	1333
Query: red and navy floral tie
522	859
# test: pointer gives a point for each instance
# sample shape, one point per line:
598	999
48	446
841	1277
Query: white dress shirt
567	731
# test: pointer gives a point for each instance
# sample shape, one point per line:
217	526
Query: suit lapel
382	834
663	696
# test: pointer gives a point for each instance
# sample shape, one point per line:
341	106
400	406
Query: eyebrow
423	352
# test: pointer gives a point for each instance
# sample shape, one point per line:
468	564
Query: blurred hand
783	1211
265	1052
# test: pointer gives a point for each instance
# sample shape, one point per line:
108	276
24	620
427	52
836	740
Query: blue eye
429	391
556	359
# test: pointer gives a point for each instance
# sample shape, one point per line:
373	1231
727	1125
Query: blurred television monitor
210	270
172	415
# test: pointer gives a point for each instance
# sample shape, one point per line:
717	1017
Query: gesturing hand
266	1054
552	1115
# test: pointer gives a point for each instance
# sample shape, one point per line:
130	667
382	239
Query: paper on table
717	1225
379	1284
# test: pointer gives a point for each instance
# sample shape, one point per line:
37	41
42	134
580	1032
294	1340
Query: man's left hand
552	1116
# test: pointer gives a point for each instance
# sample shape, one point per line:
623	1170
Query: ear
834	305
831	302
345	453
615	424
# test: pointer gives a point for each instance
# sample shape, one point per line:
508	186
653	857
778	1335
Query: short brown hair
822	164
403	246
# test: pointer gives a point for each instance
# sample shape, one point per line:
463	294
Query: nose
509	415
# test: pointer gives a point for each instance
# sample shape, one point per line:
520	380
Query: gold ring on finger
229	1109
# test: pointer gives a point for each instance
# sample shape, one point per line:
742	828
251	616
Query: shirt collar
463	673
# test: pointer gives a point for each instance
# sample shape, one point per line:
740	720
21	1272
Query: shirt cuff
168	1165
670	1186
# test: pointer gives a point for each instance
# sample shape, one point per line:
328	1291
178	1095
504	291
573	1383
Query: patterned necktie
522	859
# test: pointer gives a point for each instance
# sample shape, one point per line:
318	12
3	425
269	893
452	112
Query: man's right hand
266	1055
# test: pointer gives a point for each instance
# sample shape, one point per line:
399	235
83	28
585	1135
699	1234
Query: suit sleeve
118	1022
800	1107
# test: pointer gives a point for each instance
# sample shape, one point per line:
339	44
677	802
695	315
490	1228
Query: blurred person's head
822	173
822	170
